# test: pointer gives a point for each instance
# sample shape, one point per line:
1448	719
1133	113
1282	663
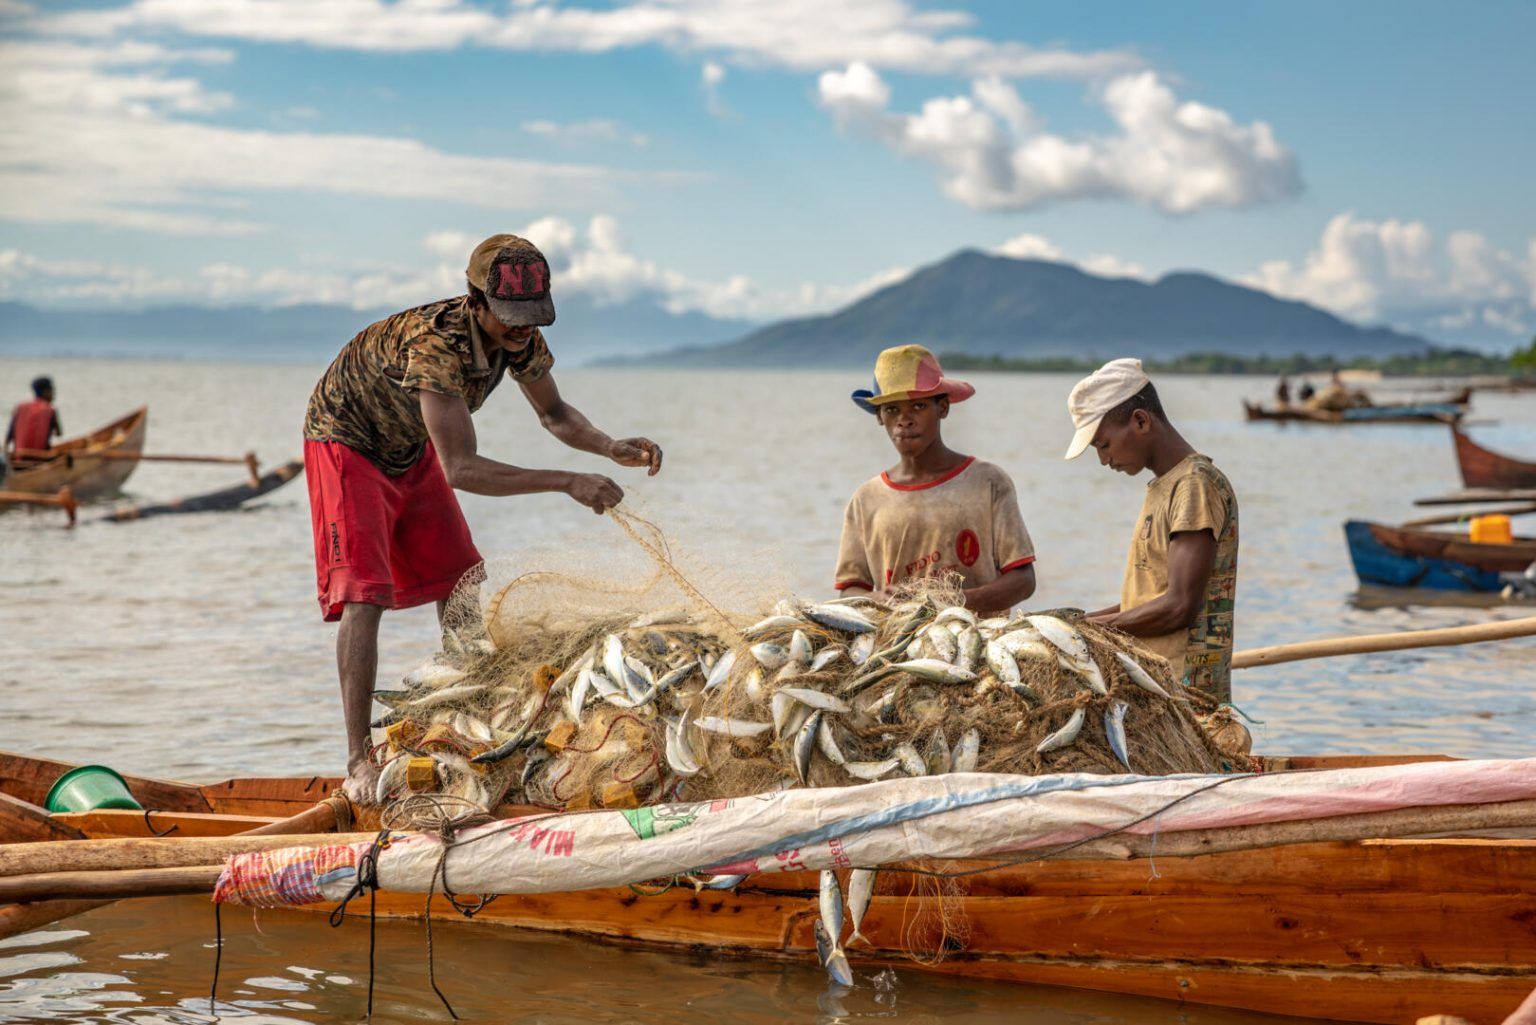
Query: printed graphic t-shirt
1194	495
367	398
966	522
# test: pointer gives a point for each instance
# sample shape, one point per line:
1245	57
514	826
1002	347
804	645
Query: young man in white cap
1181	577
388	437
936	512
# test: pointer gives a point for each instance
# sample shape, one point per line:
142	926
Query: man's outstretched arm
453	436
1005	592
1191	556
571	426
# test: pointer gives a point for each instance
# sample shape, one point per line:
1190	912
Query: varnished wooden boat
1376	930
82	463
1404	557
1483	468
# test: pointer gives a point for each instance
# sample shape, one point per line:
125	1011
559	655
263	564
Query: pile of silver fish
679	706
817	693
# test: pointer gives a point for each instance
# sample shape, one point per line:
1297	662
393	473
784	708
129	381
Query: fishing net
646	675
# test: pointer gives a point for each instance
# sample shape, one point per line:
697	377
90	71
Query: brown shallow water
190	647
151	963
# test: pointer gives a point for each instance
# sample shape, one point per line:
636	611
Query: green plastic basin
91	788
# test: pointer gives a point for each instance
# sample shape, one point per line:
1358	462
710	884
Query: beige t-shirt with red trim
966	522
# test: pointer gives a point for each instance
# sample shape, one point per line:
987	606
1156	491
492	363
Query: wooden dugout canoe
1484	468
1408	413
212	501
1404	557
78	463
1374	930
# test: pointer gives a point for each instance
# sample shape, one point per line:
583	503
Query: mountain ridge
982	304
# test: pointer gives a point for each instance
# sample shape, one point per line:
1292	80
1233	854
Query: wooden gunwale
1485	468
1458	547
1295	414
1373	930
72	463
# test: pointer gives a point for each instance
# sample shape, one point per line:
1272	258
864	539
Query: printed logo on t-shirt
918	566
967	547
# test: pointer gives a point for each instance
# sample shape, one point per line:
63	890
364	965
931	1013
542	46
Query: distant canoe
79	463
1403	557
1482	468
1402	413
212	501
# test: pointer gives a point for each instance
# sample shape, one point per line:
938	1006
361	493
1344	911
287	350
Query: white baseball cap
1097	394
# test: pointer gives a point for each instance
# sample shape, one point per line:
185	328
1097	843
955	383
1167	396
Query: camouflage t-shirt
367	398
1194	495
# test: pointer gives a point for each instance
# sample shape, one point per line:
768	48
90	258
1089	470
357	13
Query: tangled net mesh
521	706
518	639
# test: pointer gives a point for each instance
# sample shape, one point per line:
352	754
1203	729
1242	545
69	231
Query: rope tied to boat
167	831
366	879
218	958
341	806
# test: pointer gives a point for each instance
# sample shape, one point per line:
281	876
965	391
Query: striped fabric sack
293	875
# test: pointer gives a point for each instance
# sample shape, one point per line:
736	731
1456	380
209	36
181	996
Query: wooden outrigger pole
63	499
248	460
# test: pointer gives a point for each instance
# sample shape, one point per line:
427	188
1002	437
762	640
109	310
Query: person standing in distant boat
34	424
1180	588
388	437
1283	392
1334	397
936	513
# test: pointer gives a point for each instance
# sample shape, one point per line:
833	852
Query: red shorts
391	541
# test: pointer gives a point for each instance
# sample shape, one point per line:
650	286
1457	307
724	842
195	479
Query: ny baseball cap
1098	393
514	276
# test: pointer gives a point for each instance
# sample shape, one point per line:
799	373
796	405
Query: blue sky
765	158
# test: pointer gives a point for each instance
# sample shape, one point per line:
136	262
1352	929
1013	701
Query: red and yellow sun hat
909	372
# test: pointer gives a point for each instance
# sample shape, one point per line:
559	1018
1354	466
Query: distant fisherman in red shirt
33	424
936	512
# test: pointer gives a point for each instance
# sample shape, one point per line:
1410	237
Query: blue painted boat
1446	411
1399	557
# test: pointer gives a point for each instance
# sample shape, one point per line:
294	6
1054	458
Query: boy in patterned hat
936	512
388	437
1180	586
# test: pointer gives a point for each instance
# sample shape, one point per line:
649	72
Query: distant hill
582	332
988	305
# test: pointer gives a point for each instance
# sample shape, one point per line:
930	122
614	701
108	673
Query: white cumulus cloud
711	78
598	261
113	135
802	35
992	153
593	260
1396	271
591	130
1028	246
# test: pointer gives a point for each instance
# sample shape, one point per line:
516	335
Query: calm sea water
192	646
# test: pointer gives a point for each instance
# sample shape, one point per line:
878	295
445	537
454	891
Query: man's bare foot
362	784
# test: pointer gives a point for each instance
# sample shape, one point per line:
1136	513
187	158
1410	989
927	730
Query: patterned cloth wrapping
293	875
955	815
